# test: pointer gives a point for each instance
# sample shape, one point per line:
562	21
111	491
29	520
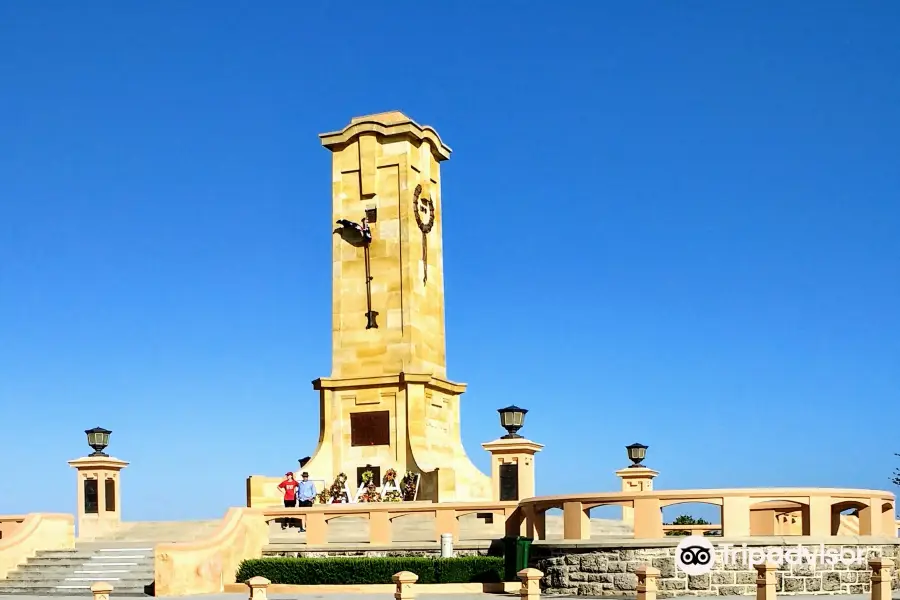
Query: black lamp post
512	418
636	453
98	439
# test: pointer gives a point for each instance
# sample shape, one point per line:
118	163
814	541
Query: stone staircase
161	531
72	572
123	559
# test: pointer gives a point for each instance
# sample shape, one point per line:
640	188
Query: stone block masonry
610	571
428	553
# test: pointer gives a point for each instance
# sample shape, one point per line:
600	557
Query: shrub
359	571
686	520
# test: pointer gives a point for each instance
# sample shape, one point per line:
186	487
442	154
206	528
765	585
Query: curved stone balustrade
380	516
206	565
9	524
692	529
33	532
745	512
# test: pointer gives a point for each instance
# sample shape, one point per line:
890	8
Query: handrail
362	508
13	518
774	493
692	528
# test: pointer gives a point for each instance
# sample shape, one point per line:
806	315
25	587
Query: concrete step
115	545
124	580
85	591
160	531
129	569
20	574
49	563
63	554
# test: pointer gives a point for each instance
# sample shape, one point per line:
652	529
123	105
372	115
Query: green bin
523	550
515	553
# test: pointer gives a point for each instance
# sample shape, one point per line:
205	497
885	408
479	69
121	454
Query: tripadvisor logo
695	555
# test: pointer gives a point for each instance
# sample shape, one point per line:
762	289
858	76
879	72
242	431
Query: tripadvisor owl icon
695	555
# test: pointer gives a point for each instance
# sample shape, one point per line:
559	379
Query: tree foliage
896	478
685	520
689	520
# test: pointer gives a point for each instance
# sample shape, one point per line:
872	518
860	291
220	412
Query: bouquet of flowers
336	492
390	478
371	492
324	496
408	486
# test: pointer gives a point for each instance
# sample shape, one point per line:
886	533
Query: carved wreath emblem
423	205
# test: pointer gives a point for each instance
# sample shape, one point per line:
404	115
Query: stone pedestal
259	588
404	582
512	468
99	497
648	582
531	584
635	480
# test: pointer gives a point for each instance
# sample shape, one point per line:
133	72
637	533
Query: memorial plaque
509	482
91	502
376	475
370	428
109	487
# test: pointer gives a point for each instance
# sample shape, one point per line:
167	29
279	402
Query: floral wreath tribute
390	477
371	491
335	493
408	486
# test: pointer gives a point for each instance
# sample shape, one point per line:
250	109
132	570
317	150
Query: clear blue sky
702	202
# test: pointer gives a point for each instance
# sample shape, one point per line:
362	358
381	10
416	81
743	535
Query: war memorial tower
388	402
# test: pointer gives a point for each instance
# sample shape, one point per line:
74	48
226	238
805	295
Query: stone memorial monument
388	402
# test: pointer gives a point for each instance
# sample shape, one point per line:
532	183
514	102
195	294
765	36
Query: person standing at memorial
289	486
306	494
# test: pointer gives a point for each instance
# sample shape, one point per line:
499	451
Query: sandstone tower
388	402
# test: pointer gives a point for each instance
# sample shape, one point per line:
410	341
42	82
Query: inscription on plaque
110	489
509	482
370	428
91	502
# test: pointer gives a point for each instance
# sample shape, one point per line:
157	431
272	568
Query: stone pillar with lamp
636	478
99	498
512	460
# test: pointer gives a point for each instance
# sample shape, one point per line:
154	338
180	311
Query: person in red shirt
289	487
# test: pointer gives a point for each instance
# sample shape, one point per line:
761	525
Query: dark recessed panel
370	428
91	501
509	482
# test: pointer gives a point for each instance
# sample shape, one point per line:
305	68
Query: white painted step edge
96	572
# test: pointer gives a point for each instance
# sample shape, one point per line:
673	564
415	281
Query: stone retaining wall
609	571
435	553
